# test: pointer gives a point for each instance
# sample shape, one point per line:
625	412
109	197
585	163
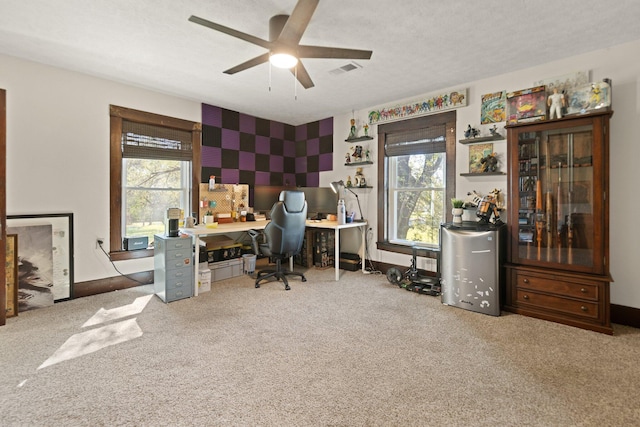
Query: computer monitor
320	201
265	196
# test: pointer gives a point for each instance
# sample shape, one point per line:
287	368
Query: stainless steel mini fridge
471	265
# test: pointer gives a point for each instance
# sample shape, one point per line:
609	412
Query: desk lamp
335	186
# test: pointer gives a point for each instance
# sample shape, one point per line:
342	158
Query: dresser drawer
560	287
180	258
178	293
181	243
526	297
185	282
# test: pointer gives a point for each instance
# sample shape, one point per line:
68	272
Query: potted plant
208	217
457	210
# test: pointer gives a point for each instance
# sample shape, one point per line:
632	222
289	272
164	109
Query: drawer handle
178	284
525	296
526	280
583	290
583	308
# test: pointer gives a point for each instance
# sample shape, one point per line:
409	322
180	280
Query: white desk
333	225
235	227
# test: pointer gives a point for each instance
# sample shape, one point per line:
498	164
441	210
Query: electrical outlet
99	241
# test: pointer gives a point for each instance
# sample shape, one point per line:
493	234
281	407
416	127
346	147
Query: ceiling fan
285	32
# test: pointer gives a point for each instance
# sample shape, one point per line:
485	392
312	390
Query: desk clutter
223	203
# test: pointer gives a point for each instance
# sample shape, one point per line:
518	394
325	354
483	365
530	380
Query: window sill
125	255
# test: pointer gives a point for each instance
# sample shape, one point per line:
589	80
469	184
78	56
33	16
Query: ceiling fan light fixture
283	60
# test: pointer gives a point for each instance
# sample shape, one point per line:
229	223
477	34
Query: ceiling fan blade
230	31
332	52
248	64
302	75
298	20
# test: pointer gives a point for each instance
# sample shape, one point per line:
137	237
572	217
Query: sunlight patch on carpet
104	316
94	340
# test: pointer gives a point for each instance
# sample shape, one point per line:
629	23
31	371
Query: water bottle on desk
342	214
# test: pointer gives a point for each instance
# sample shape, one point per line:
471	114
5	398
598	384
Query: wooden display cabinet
558	220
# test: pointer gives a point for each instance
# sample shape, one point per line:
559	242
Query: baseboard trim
623	315
108	284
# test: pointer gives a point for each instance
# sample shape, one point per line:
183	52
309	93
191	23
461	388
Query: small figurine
347	158
359	178
471	132
494	131
349	184
555	103
354	131
357	153
367	155
366	129
490	162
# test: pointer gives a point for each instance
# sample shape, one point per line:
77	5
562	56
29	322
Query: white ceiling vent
346	68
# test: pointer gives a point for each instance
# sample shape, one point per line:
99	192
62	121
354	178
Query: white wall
619	63
58	150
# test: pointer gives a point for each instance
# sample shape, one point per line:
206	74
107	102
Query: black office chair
283	236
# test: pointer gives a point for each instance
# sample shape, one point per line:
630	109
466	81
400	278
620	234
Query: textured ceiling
419	46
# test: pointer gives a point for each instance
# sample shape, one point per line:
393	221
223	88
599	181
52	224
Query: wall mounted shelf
359	163
482	173
359	139
482	139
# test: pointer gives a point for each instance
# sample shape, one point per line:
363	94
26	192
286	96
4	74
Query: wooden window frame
117	115
449	119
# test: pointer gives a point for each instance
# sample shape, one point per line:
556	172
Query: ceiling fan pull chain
269	73
295	86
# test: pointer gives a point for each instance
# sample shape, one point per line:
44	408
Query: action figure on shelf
555	103
494	131
367	155
490	162
359	178
347	158
471	132
366	129
354	131
357	153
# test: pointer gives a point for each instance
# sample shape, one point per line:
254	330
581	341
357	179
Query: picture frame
476	153
493	107
45	256
11	275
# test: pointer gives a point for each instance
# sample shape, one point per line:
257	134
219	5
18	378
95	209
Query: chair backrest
285	231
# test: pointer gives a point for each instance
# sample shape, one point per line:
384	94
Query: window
419	175
154	165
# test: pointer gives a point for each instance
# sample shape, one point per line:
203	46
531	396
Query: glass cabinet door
557	215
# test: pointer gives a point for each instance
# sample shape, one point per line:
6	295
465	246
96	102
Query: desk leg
196	268
363	246
336	260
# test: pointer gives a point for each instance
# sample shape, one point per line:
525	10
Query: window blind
145	141
427	140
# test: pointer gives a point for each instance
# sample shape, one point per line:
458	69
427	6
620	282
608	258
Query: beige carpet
358	352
